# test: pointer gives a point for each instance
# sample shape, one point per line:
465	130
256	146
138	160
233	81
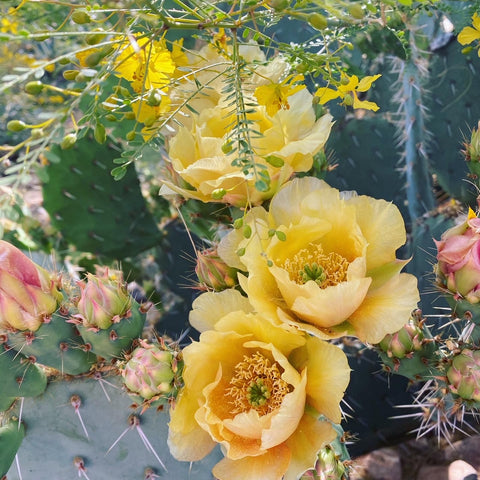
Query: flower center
257	384
312	264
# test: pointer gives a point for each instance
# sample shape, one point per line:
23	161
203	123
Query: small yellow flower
470	34
274	96
258	389
348	91
7	25
145	63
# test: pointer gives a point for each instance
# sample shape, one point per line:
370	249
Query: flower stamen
312	263
258	384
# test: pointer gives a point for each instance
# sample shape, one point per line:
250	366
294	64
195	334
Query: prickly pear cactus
94	212
86	427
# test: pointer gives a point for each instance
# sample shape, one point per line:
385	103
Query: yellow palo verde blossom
274	96
470	34
266	393
324	261
197	154
348	90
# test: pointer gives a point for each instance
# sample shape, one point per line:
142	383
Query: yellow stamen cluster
312	263
257	384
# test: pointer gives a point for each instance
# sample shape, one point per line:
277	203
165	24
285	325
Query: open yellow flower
290	136
325	262
470	34
347	90
258	390
145	63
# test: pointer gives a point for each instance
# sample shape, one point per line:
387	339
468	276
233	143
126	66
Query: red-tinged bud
213	272
28	293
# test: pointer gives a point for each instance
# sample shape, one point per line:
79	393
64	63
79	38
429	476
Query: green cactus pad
11	436
93	211
111	342
55	344
55	437
19	377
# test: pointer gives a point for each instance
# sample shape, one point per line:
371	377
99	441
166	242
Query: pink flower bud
458	256
28	294
150	371
213	272
104	300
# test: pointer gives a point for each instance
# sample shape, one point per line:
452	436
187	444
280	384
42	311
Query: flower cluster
284	133
263	380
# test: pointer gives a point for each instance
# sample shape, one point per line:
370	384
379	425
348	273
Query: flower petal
305	443
269	466
375	218
326	364
366	83
326	94
468	35
210	307
386	309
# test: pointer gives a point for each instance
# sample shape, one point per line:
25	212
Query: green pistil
313	272
257	393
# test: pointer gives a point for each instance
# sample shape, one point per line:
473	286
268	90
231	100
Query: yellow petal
376	218
476	21
269	466
322	307
287	417
210	307
366	83
263	330
346	87
386	309
468	35
364	104
326	94
286	205
328	377
187	441
311	436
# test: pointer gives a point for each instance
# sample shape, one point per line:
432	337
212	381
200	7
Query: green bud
99	133
70	74
155	98
279	5
227	147
356	11
93	59
81	17
94	38
131	135
68	141
37	133
348	100
218	193
16	126
34	88
129	115
317	21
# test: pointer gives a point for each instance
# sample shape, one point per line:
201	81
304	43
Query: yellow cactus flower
347	90
324	261
259	390
197	154
470	34
274	96
145	63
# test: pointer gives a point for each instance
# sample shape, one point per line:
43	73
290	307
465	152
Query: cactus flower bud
329	466
28	295
150	371
104	300
463	375
472	152
213	272
404	342
458	268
